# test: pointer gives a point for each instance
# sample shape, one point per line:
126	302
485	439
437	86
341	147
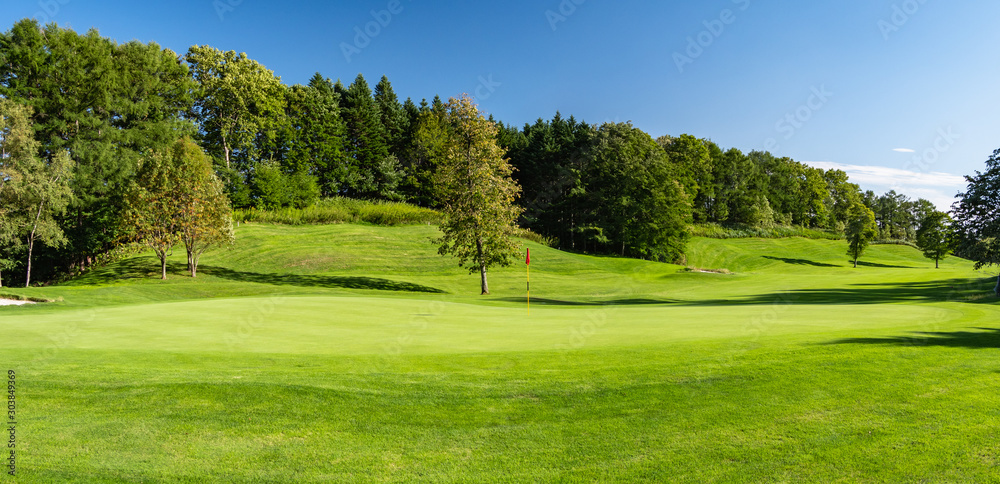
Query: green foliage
238	100
477	193
634	196
716	231
377	171
861	231
177	198
935	237
105	104
33	191
273	188
343	210
313	140
977	217
204	215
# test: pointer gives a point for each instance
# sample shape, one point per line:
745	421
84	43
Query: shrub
715	231
342	210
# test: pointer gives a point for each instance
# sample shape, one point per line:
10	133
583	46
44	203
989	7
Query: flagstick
527	263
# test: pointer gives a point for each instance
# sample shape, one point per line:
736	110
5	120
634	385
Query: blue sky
836	84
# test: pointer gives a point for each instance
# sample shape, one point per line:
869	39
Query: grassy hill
355	353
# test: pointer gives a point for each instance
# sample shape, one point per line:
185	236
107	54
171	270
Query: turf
354	353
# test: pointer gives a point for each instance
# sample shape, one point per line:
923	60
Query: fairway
355	353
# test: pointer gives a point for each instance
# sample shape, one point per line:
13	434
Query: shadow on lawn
978	291
610	302
800	262
981	338
883	266
299	280
149	268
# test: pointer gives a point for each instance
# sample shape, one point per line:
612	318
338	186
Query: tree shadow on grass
971	291
149	268
882	266
303	280
980	338
609	302
800	262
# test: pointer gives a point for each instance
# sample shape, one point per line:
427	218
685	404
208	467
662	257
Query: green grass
354	353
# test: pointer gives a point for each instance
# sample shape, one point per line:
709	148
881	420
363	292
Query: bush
537	238
714	231
342	210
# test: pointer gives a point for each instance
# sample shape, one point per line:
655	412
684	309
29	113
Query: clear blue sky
859	79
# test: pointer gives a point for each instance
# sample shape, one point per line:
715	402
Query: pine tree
379	172
392	116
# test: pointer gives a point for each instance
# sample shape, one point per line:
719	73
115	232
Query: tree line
111	127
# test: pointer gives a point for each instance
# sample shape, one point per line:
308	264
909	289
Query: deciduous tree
861	231
204	214
477	194
977	217
934	237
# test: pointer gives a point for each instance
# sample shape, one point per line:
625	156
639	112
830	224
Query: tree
934	237
38	191
861	231
392	115
204	214
367	144
635	196
977	217
105	104
238	99
477	194
152	204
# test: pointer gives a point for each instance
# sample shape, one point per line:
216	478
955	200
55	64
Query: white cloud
939	188
904	150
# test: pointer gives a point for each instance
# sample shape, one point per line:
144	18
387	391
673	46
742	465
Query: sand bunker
14	302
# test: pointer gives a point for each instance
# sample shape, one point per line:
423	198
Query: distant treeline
602	189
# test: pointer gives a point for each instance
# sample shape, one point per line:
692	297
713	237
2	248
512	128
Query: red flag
528	259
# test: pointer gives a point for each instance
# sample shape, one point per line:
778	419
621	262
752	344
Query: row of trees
108	117
82	118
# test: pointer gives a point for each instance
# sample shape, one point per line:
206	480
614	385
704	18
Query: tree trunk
937	264
997	289
163	265
855	262
482	267
31	243
31	246
225	149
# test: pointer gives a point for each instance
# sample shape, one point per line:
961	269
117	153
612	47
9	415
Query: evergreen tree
367	144
393	117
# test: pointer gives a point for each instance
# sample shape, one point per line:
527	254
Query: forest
87	123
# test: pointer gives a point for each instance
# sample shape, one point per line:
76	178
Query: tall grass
342	210
715	231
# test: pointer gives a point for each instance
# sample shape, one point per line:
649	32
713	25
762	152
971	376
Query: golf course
356	353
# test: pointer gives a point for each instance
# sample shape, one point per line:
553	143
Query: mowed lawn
350	353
